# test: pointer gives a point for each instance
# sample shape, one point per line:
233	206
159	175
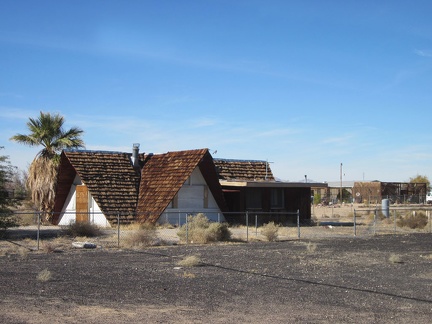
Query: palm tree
47	131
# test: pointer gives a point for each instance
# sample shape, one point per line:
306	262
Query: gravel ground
379	279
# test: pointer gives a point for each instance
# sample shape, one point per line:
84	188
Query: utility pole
340	191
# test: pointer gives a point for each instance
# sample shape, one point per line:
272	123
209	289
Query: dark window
253	198
277	198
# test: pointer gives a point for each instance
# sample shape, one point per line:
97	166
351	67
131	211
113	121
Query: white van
429	197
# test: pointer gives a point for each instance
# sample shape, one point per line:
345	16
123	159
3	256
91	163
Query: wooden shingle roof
135	195
243	170
109	176
164	174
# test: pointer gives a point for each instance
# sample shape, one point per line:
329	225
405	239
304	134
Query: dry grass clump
394	258
82	229
44	275
200	230
413	220
428	256
144	235
190	261
26	218
48	247
311	247
188	275
56	244
270	231
21	251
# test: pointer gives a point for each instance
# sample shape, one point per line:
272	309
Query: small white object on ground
83	245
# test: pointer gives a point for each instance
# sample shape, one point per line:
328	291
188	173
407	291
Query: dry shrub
44	275
82	229
416	220
270	231
188	275
26	219
145	235
48	247
57	244
200	230
394	258
311	247
190	261
15	250
23	252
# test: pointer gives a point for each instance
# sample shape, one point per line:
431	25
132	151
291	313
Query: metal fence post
394	216
187	230
256	225
38	230
374	222
247	226
354	222
118	230
429	220
298	223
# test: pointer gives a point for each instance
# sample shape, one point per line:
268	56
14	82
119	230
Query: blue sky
306	85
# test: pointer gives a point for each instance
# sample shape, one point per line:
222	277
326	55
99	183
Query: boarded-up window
82	204
191	197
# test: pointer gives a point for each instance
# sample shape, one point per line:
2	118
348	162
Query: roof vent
135	155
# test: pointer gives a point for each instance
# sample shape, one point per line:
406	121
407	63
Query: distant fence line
365	222
376	199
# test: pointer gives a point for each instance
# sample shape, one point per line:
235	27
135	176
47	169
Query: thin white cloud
423	53
16	113
204	122
178	100
276	132
338	140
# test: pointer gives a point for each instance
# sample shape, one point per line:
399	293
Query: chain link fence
243	226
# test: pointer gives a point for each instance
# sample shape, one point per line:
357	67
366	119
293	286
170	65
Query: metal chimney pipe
135	154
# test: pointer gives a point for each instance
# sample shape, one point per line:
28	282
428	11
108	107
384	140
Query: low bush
414	220
26	218
82	229
311	247
7	220
190	261
200	230
48	247
144	235
394	258
44	275
270	231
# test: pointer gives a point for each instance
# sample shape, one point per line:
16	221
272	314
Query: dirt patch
339	280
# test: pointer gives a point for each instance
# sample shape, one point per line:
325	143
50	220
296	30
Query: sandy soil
385	279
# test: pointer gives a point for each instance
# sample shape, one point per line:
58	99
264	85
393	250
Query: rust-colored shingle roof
109	176
163	175
243	170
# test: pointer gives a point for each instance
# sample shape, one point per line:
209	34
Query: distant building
396	192
249	186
